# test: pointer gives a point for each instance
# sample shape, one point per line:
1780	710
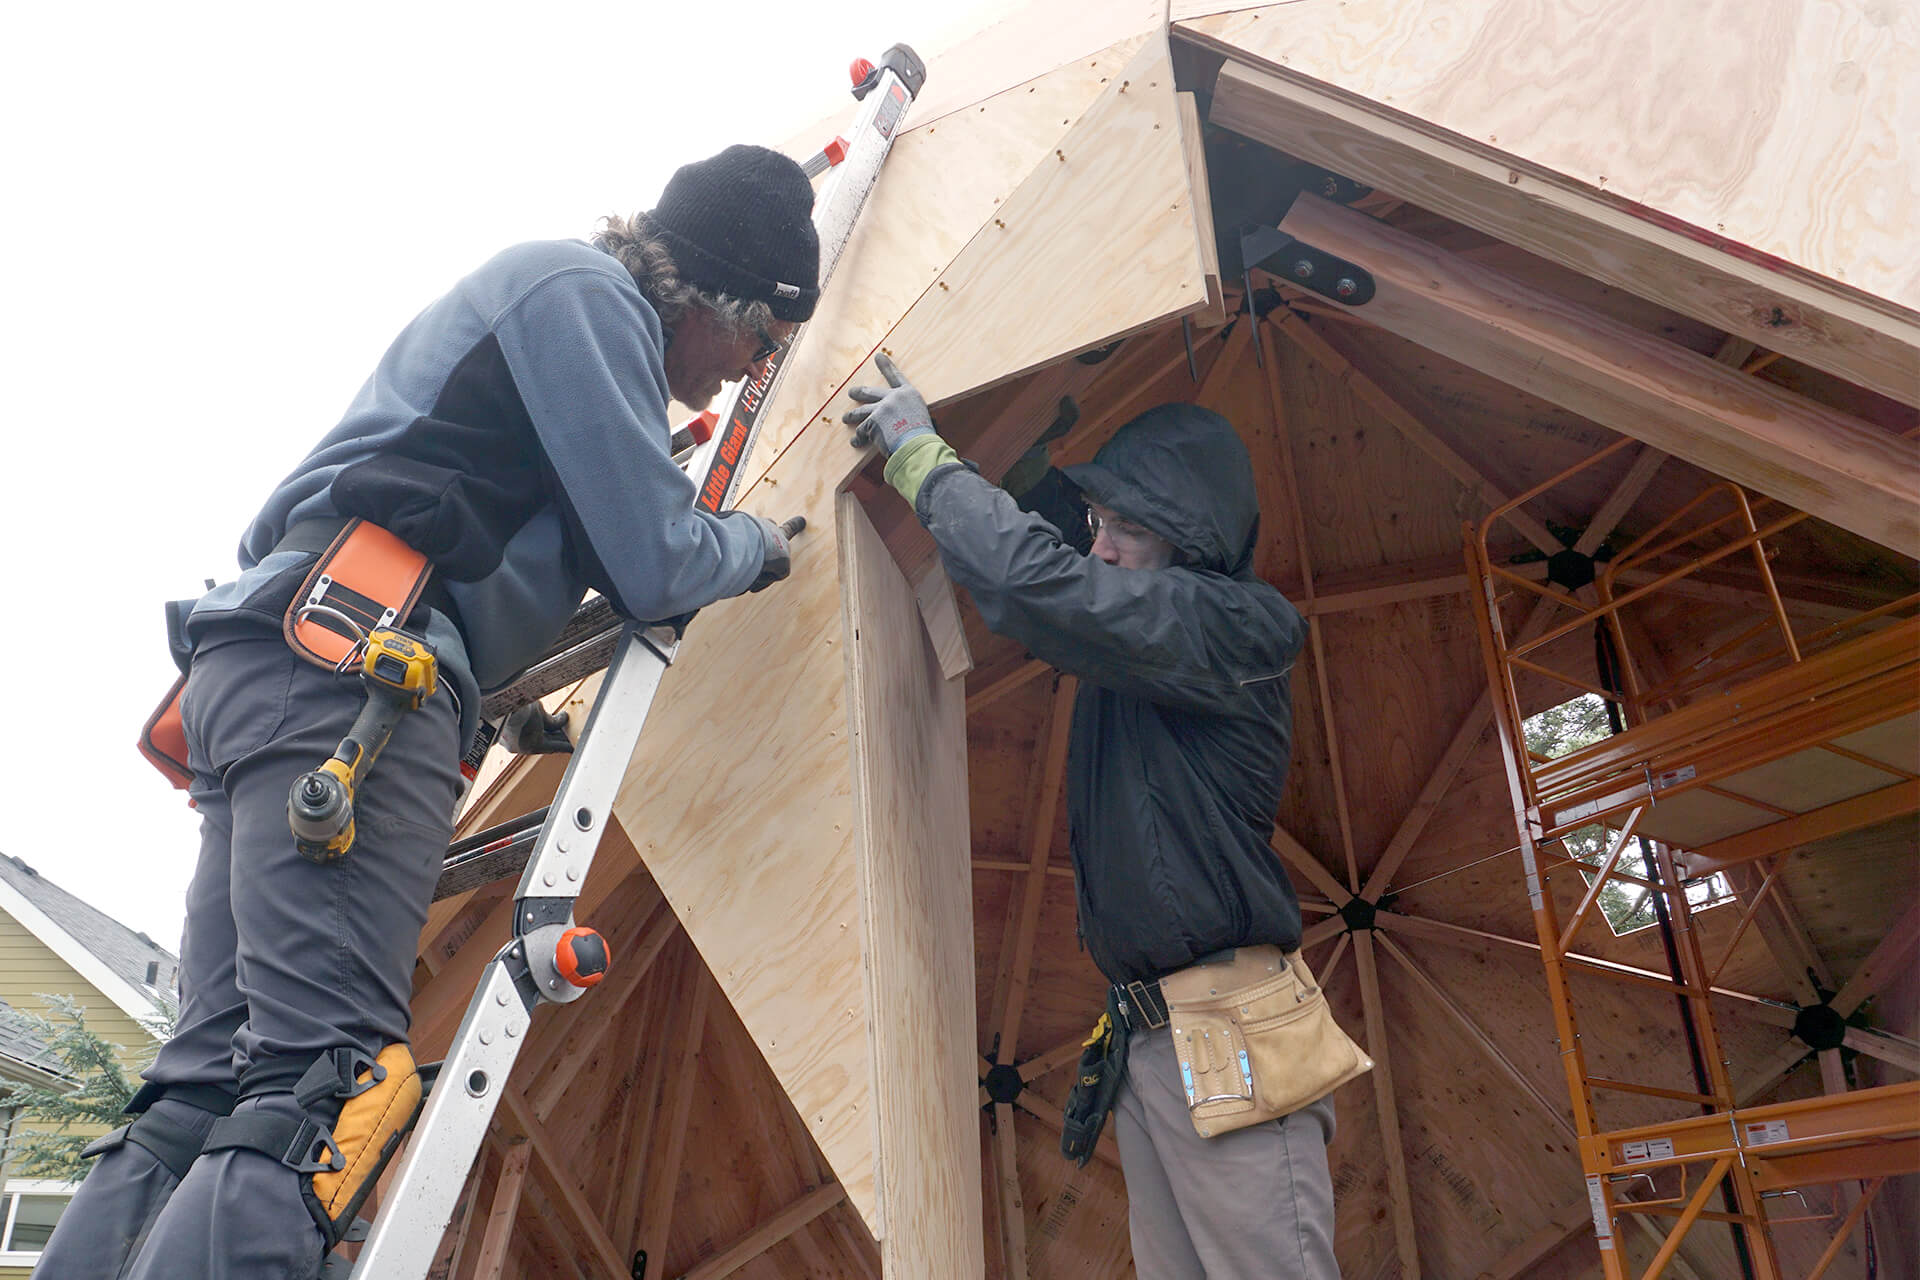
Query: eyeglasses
769	346
1117	528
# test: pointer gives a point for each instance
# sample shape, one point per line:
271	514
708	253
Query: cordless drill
399	674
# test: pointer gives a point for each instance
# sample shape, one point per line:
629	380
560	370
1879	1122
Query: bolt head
1303	269
1346	287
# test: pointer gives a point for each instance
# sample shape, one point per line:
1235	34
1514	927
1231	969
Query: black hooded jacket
1183	723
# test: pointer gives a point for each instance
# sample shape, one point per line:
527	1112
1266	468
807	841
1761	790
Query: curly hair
631	241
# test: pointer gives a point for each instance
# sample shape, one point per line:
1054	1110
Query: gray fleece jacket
516	433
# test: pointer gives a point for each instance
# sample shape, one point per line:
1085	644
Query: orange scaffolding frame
1689	732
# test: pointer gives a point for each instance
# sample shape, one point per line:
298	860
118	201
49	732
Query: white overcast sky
216	217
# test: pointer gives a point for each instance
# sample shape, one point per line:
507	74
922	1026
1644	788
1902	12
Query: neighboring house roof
127	967
21	1045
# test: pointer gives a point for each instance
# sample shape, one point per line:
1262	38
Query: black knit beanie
741	223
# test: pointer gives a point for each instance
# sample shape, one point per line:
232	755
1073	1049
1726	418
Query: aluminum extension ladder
558	843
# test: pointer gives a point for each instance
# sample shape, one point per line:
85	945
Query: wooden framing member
1535	209
769	1233
497	1237
1406	1239
1271	363
1569	1221
662	1175
1478	1034
1023	918
1013	1206
1845	471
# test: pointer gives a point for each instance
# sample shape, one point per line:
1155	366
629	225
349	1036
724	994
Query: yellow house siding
29	968
15	1273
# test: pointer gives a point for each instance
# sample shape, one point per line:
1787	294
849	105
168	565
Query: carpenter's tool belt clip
1141	1005
365	579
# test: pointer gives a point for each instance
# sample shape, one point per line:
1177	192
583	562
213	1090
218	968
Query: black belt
1142	1005
313	537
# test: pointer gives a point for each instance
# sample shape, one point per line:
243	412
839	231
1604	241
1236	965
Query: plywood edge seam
847	513
1124	51
912	876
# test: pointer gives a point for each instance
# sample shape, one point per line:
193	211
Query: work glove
890	416
778	560
534	731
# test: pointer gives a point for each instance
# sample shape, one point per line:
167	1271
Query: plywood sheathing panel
776	916
744	1161
1370	498
1560	132
1401	680
942	183
910	794
1098	242
1188	10
740	801
1799	139
1025	40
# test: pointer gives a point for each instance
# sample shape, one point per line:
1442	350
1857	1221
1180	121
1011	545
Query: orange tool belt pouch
1255	1039
164	739
365	578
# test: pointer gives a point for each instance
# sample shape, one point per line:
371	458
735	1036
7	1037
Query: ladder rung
588	652
486	856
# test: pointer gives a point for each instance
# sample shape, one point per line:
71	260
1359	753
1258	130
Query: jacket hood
1181	471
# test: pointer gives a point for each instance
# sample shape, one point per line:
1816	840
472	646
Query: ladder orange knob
582	956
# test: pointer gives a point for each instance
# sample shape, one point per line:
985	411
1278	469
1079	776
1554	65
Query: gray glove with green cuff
897	419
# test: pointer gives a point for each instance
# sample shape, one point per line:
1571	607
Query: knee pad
174	1144
379	1100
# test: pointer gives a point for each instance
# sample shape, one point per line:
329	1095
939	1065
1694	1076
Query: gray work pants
1254	1204
282	959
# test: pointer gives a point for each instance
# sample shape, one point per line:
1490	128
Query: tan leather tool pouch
1255	1039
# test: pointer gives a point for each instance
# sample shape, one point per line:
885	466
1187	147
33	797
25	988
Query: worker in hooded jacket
1179	747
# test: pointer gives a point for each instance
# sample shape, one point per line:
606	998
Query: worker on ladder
1178	752
513	441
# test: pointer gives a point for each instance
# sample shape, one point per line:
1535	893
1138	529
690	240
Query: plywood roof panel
1815	165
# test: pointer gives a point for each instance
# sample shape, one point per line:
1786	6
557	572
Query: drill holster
1096	1083
379	1100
